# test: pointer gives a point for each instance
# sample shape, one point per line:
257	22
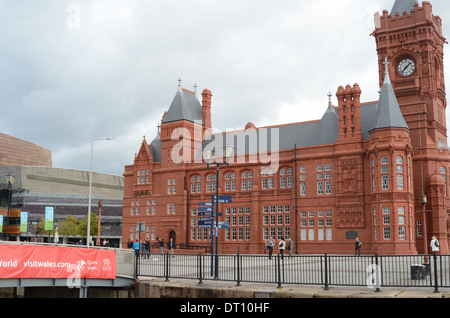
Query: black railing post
136	257
238	267
377	275
200	269
436	289
326	272
167	260
279	270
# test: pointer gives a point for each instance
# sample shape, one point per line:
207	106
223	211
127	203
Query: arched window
399	182
320	187
230	181
211	182
327	187
385	182
196	184
247	180
285	177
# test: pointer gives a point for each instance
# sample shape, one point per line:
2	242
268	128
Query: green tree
69	226
93	228
40	228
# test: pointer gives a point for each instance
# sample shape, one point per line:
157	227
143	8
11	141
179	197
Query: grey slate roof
156	149
185	106
377	115
388	113
284	137
403	5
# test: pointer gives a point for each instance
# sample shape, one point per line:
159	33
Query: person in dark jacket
358	245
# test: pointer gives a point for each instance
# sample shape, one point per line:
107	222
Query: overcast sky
73	69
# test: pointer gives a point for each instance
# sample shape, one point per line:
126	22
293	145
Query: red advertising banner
28	261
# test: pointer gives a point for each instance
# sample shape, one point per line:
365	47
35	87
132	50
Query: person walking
269	244
282	247
434	244
171	247
161	245
136	248
358	245
290	246
147	248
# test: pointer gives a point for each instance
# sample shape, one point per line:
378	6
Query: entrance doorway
173	236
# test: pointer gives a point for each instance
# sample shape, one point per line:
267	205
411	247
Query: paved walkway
180	288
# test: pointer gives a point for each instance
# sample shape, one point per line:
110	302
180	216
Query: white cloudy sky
72	69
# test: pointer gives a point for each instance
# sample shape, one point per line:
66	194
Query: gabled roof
185	106
403	5
388	113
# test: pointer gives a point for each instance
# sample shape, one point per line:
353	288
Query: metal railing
374	271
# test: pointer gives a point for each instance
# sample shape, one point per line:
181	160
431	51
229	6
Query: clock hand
406	67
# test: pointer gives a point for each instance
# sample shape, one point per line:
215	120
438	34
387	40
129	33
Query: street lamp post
423	200
90	190
10	180
100	205
208	154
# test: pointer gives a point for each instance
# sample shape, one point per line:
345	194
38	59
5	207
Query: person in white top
434	244
282	246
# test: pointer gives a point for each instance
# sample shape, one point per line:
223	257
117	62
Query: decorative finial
159	128
386	63
195	88
179	82
329	96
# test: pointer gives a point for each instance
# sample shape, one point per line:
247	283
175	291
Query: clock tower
410	37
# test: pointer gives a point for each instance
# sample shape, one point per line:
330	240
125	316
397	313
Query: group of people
434	244
282	246
289	245
144	248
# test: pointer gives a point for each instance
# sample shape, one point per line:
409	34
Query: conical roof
388	113
185	106
403	5
329	125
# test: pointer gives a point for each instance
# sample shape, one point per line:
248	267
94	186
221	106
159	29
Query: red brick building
359	171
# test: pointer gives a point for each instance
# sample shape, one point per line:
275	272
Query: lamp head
10	179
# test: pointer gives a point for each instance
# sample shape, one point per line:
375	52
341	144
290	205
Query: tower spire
403	5
388	113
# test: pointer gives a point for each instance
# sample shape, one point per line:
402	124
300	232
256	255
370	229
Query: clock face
406	67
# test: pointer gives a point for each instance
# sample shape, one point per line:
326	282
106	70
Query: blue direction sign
209	224
208	214
223	225
204	209
223	199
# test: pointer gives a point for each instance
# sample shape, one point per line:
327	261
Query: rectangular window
387	233
402	233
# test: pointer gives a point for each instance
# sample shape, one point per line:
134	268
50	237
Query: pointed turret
329	124
403	5
185	106
388	113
